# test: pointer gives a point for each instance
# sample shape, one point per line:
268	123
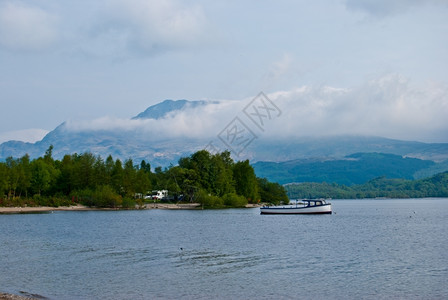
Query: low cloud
390	106
200	122
26	135
24	27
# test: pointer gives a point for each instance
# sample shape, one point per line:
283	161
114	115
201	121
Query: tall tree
24	174
66	177
42	176
100	174
245	181
128	179
142	182
83	171
13	175
117	177
201	163
146	167
48	157
3	179
221	175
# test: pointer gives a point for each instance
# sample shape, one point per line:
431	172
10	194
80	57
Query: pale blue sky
74	60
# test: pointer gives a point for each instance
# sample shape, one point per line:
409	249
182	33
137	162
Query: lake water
370	249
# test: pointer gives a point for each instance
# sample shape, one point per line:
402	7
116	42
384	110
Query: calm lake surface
370	249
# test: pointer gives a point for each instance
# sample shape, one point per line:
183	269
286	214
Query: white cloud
26	135
201	122
382	8
23	27
147	27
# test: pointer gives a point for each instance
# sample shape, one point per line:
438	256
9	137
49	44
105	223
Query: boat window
319	203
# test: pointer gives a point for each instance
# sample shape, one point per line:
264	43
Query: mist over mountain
171	129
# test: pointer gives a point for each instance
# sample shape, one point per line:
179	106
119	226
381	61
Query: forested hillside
353	169
212	180
435	186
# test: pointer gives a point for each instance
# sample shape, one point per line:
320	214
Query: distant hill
352	169
146	143
381	187
332	147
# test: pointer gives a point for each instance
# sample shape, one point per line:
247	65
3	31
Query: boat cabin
316	202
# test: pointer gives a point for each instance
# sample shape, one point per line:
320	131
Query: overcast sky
335	67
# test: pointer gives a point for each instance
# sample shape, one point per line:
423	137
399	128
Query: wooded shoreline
213	180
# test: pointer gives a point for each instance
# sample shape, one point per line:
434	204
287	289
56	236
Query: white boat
317	206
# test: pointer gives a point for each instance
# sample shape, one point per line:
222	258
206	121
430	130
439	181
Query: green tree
201	163
272	192
100	175
142	182
146	167
13	176
83	171
128	178
117	177
188	180
246	183
221	174
65	181
48	157
3	179
24	174
109	165
42	175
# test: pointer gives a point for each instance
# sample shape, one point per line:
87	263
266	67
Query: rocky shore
29	209
79	207
6	296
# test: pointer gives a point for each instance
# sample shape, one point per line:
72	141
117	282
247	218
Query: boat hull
321	209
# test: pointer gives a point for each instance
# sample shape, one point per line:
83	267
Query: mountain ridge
140	144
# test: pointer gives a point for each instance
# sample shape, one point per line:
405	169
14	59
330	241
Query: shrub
234	200
105	196
208	200
102	196
128	203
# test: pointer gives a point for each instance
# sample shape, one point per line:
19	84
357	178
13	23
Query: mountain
332	147
162	109
136	143
119	144
149	136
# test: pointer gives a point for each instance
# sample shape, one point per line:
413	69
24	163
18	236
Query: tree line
213	180
381	187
